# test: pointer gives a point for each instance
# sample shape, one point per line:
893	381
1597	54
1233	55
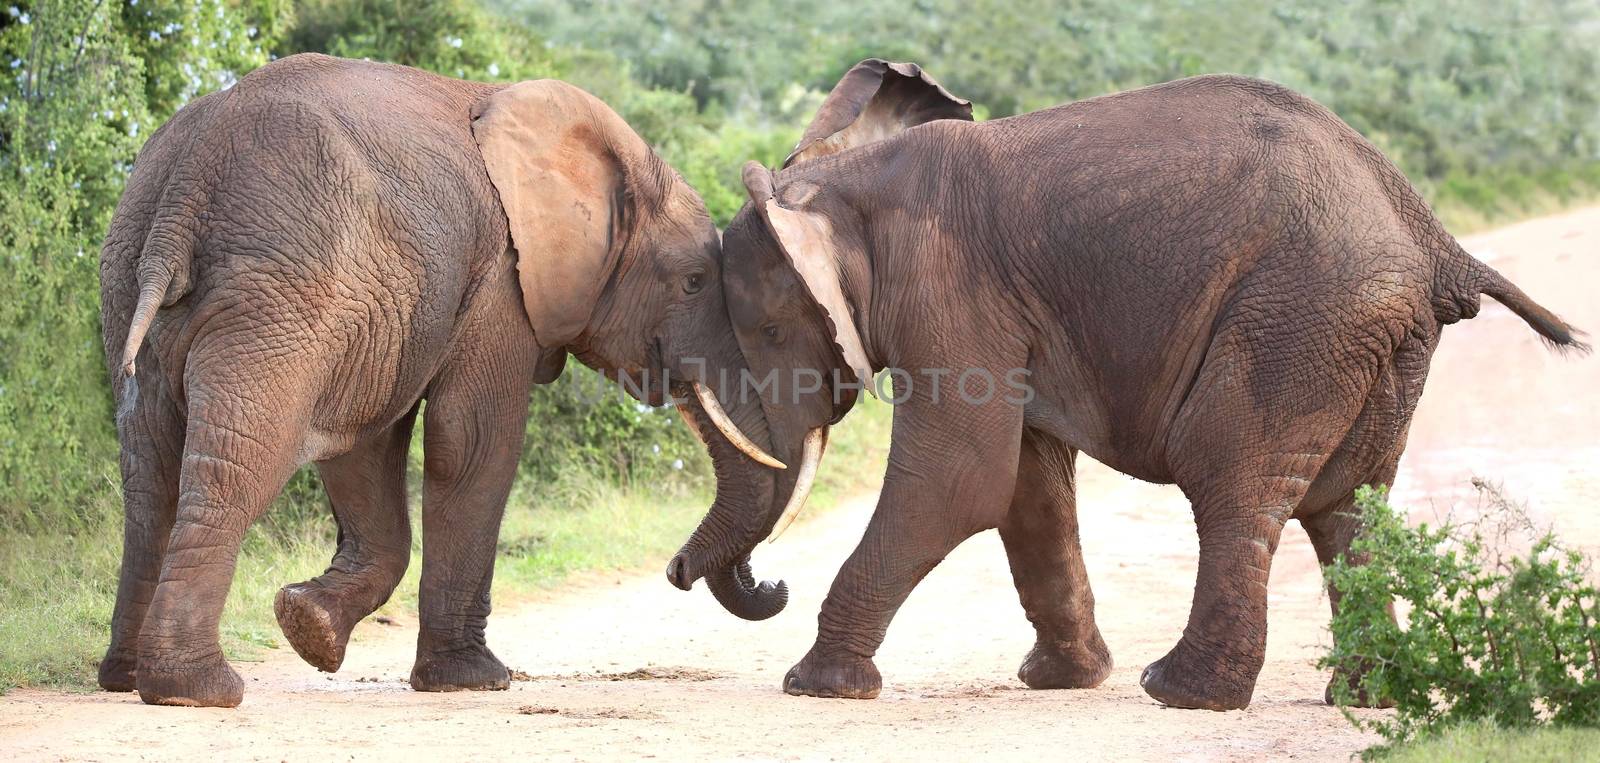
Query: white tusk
816	439
725	425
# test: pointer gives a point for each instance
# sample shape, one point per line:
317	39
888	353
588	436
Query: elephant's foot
1359	696
1192	679
313	622
119	670
473	668
206	682
1082	664
848	677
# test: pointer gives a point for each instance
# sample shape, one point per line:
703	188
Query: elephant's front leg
472	437
952	468
1041	538
367	488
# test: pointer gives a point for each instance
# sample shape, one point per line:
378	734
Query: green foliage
1464	94
584	423
1510	639
1482	741
87	83
457	38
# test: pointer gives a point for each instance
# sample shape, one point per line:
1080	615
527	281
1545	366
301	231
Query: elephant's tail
163	273
1556	332
1469	277
152	292
1460	278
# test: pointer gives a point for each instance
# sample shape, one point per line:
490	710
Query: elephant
1212	282
298	261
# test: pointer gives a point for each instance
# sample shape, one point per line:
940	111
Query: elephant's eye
694	283
770	331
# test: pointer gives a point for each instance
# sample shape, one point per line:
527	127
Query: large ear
873	101
562	189
807	241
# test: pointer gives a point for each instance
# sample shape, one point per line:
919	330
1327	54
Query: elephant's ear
561	189
873	101
807	241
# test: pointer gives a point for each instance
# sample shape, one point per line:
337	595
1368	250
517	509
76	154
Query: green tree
1479	101
88	82
457	38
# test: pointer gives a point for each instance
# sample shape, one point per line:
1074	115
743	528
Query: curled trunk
736	589
719	549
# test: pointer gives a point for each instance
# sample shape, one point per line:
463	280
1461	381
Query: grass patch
1471	203
1477	742
58	588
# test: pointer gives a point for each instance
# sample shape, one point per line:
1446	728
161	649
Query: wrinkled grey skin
1212	282
314	252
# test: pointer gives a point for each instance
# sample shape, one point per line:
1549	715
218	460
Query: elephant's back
314	171
390	143
336	209
1158	217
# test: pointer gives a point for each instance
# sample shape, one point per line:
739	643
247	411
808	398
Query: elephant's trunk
735	588
742	514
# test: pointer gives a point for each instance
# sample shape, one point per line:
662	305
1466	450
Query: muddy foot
1197	683
849	678
309	618
471	669
1066	665
208	682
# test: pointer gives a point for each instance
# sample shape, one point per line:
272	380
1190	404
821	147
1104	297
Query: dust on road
632	668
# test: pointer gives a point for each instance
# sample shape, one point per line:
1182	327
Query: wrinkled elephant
300	260
1212	282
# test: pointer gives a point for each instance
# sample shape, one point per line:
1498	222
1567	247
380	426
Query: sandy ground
630	668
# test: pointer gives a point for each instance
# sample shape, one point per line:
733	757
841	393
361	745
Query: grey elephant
1212	282
297	262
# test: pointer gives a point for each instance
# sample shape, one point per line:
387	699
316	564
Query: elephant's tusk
816	440
725	425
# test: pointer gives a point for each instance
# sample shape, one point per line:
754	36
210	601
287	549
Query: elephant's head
620	265
798	283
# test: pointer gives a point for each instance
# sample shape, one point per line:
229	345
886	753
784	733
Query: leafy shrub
1512	639
1449	89
584	423
86	85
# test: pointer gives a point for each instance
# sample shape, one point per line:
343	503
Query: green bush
87	84
1477	94
1489	636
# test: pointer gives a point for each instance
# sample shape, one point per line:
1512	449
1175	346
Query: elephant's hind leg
367	488
1268	409
151	430
1041	539
237	454
1331	531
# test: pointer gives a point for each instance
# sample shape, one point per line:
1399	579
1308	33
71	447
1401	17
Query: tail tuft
1558	334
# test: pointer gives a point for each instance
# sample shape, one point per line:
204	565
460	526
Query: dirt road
631	668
